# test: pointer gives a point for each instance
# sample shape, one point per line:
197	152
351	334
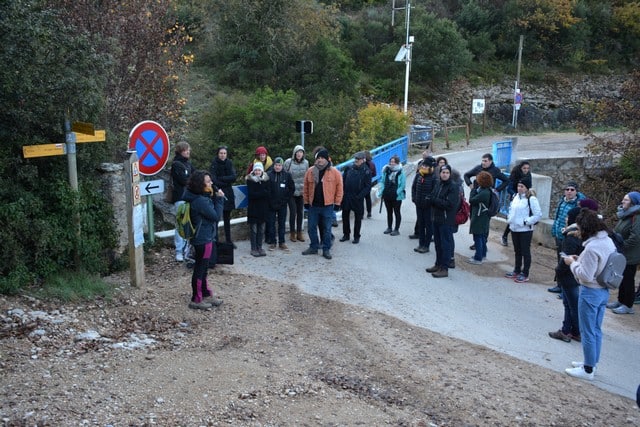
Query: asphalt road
384	273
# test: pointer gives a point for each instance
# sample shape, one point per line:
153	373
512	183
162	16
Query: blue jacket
203	216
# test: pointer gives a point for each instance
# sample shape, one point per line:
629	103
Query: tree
377	124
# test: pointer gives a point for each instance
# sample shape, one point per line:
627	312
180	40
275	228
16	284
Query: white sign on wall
478	106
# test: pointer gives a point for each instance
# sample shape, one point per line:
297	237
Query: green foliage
75	287
376	125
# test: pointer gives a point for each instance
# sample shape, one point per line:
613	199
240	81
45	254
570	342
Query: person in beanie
571	245
628	227
567	202
282	188
322	193
524	214
445	200
297	166
423	184
181	170
479	199
223	175
356	180
258	194
262	156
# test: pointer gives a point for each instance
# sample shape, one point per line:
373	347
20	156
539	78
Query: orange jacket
331	186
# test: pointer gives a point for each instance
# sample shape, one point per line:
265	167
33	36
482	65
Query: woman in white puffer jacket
524	213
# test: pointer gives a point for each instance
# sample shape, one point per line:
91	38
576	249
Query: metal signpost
302	127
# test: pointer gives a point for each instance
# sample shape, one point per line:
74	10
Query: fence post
446	134
467	131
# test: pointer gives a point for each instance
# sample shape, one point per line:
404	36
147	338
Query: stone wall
113	188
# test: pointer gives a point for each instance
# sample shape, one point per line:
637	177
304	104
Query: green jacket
479	200
629	228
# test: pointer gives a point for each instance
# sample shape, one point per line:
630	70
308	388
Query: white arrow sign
148	188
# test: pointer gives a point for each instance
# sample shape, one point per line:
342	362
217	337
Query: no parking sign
151	143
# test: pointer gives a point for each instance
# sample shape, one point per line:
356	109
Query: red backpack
464	210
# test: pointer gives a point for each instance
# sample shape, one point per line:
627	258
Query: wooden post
134	219
468	132
446	134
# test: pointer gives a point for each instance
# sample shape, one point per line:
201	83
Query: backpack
464	210
185	227
494	204
390	191
611	275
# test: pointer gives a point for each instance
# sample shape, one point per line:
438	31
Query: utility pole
516	93
405	51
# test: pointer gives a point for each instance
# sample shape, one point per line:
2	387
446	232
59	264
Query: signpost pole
150	219
134	222
70	139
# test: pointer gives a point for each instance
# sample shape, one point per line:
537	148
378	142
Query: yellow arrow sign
44	150
99	136
82	127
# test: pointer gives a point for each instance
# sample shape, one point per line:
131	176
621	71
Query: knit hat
278	161
261	150
322	153
572	215
359	155
429	161
572	184
525	182
589	204
258	165
635	197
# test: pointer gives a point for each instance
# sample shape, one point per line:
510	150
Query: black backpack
390	191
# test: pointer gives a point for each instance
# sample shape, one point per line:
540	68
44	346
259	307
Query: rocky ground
268	356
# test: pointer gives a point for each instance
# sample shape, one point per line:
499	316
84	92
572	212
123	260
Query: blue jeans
179	243
313	218
278	217
591	307
443	240
480	241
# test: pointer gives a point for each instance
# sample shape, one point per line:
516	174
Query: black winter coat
445	200
181	170
421	190
282	188
495	172
258	193
356	185
223	175
571	245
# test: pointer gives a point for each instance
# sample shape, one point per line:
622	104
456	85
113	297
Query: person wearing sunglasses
568	201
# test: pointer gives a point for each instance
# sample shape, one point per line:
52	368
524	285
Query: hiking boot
559	335
433	269
440	273
356	240
284	247
614	304
344	238
327	254
421	249
521	278
292	236
579	372
394	233
555	290
576	337
199	305
623	309
215	302
368	215
387	231
413	236
310	251
262	252
504	241
452	263
272	247
300	236
255	252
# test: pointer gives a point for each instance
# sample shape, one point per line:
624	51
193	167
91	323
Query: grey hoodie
297	169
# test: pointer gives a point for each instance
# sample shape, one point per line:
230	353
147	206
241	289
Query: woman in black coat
223	175
258	194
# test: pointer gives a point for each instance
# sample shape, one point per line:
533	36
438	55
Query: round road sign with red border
151	143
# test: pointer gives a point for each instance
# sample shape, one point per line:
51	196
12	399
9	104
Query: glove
336	208
307	206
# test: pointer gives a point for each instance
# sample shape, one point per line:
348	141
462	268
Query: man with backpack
487	165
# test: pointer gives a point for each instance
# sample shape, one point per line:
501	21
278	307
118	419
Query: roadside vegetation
240	73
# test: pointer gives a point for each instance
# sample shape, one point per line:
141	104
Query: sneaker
521	278
215	302
614	304
440	273
504	241
581	364
623	309
394	233
474	261
637	300
255	252
284	247
310	251
199	305
433	269
413	236
511	275
576	337
559	335
272	247
555	290
369	215
179	257
262	252
387	231
421	249
344	238
579	372
327	254
472	247
334	223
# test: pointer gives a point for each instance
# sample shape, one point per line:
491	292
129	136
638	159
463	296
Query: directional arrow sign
98	136
241	192
43	150
148	188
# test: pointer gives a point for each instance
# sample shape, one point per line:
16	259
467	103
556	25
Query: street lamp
404	54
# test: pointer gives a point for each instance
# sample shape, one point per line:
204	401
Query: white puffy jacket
524	213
